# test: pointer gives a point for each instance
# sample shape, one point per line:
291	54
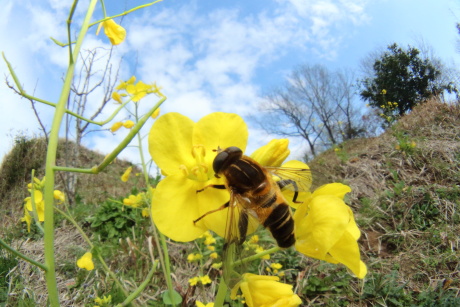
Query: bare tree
82	101
315	104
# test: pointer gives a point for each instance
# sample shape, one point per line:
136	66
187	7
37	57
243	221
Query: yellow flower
213	255
124	84
384	92
254	239
276	266
194	257
272	154
140	89
134	200
200	304
59	196
117	97
260	249
145	212
211	247
183	150
27	218
265	291
114	32
39	204
126	174
209	241
205	280
116	126
325	228
193	281
86	262
128	124
105	300
155	113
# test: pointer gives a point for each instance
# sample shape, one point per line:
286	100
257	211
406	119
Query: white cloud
205	60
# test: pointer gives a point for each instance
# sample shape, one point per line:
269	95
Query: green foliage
114	221
401	80
386	290
7	263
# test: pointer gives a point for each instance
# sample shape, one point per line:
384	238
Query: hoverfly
255	193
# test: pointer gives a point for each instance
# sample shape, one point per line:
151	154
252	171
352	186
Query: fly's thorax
244	175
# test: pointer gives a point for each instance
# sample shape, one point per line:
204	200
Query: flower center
199	171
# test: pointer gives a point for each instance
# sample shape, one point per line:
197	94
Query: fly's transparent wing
295	179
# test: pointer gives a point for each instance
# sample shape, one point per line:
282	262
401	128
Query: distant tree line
325	108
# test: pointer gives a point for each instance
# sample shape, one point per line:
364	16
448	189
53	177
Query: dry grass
406	202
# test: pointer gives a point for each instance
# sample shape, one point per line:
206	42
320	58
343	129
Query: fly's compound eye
219	161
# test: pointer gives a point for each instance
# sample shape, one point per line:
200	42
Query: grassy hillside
406	198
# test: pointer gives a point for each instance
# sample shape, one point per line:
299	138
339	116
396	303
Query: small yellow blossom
116	126
58	195
27	218
211	247
193	281
128	124
114	31
39	204
205	280
126	174
261	290
254	239
384	92
213	255
86	262
276	266
200	304
260	249
105	300
194	257
124	84
155	113
210	240
145	212
117	97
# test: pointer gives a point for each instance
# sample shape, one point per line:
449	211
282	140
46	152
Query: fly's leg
285	182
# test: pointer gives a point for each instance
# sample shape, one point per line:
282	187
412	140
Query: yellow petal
116	126
155	113
327	220
220	130
116	96
175	206
170	142
346	251
273	153
126	174
86	262
114	32
128	124
337	189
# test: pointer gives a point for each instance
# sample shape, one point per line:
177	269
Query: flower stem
20	255
50	274
221	293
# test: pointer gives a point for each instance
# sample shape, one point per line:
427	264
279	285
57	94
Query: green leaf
176	298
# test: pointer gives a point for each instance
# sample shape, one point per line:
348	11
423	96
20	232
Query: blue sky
210	55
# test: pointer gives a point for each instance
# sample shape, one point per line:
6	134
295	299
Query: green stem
20	255
221	293
50	274
125	12
24	94
141	288
118	149
257	256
